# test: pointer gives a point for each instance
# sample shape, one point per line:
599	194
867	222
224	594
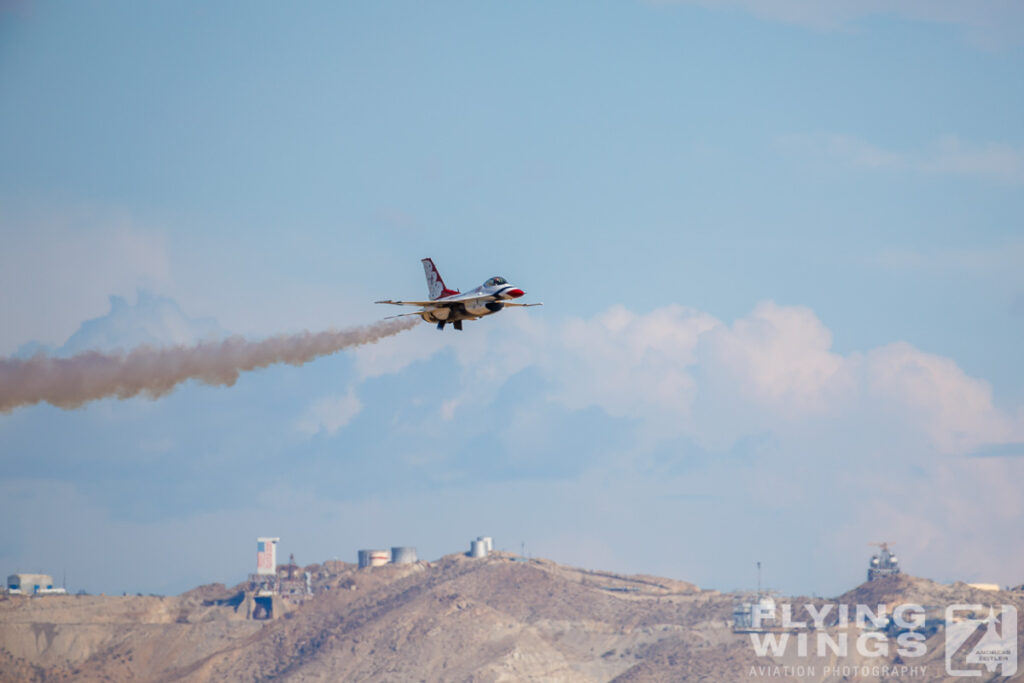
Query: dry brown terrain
458	619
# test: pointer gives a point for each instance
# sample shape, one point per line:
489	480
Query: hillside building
32	584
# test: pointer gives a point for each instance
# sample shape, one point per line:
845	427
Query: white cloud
779	357
413	346
631	365
488	354
882	433
682	372
932	394
58	270
947	155
1000	161
329	414
152	320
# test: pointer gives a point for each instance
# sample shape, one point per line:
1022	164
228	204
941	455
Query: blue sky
780	246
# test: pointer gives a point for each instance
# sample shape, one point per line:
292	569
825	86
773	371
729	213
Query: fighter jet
452	306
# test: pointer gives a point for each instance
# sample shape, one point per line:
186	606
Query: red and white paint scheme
452	306
266	555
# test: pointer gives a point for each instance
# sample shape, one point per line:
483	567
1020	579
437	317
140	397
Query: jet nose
515	293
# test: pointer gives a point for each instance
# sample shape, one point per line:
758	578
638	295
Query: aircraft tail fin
435	285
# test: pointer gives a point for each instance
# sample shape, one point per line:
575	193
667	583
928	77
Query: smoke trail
70	382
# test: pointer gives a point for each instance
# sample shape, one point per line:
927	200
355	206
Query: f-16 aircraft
452	306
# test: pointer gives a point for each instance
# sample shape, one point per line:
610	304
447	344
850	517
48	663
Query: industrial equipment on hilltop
755	613
399	554
373	558
884	563
294	584
273	584
403	555
32	584
481	546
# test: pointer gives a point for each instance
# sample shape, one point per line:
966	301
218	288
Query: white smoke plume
71	382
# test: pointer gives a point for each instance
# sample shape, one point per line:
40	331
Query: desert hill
457	619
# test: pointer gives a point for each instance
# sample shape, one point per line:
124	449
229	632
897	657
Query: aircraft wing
437	303
450	301
408	303
402	315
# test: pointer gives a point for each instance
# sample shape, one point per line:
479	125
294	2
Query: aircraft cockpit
495	281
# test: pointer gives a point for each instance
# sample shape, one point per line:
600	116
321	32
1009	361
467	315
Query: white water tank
373	558
487	541
403	555
477	549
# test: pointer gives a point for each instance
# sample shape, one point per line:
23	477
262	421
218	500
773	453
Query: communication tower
883	563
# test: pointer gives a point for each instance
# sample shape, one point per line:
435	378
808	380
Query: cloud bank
592	439
757	419
683	372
